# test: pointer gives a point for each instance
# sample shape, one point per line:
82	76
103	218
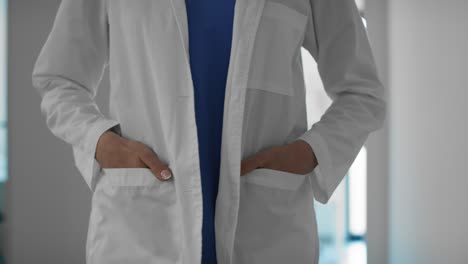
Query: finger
159	169
259	160
249	164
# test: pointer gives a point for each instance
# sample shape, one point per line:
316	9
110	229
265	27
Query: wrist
307	153
104	140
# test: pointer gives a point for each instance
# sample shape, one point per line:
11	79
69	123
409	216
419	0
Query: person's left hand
296	157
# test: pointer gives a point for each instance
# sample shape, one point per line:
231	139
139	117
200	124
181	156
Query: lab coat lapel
180	14
246	21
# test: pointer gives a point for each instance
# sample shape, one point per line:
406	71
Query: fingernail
166	174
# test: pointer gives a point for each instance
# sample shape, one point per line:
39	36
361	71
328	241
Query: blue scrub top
210	24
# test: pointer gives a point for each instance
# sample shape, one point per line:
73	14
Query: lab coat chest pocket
276	222
133	219
277	41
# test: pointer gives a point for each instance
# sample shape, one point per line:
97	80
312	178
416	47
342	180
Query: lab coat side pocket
276	221
133	219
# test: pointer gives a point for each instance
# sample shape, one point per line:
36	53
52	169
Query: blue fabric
210	33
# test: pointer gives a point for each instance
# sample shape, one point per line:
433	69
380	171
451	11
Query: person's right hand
114	151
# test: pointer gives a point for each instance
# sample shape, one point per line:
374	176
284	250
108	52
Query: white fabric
266	216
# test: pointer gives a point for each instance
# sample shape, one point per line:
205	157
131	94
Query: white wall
429	130
47	200
377	144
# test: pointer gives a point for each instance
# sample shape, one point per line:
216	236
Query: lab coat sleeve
67	74
337	39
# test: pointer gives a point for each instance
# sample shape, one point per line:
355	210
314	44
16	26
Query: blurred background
403	200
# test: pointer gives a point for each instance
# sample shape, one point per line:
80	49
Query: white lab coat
266	216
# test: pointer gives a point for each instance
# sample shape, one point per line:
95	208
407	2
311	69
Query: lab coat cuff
85	160
322	174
